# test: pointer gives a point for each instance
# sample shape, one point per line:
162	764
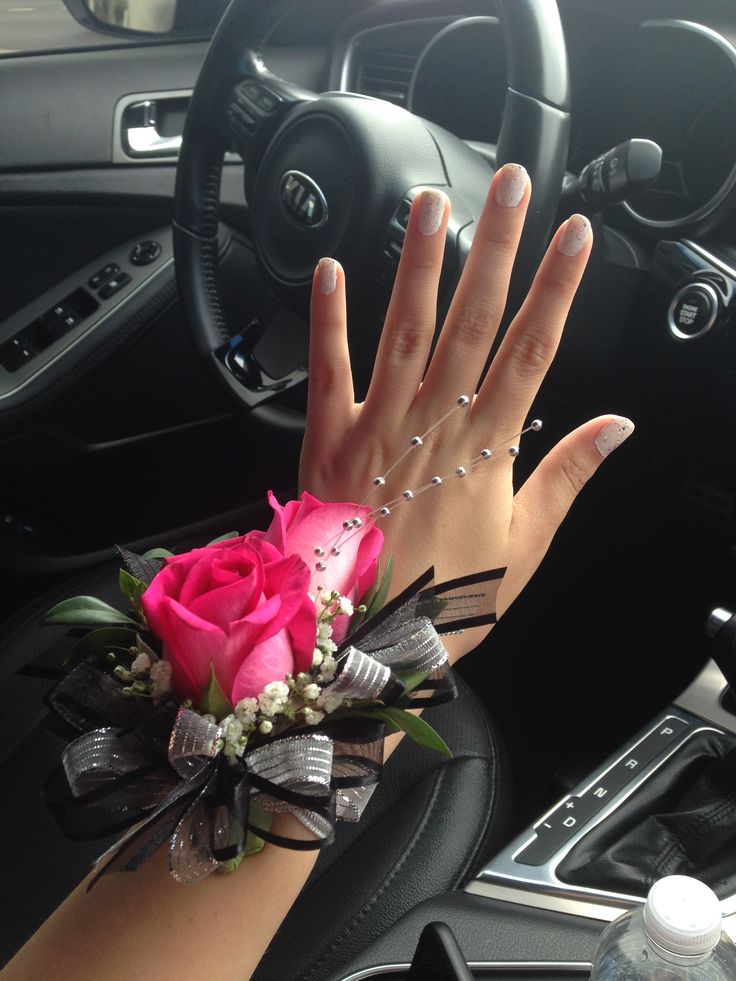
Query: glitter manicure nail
575	236
327	276
431	211
510	185
613	434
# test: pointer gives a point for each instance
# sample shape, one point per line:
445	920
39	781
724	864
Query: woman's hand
474	522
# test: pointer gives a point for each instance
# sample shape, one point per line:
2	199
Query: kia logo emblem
302	199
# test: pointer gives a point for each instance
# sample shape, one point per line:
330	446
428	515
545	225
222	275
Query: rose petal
229	603
192	645
270	661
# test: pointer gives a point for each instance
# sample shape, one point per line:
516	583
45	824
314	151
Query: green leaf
131	588
104	639
413	725
85	611
214	700
157	553
379	600
253	844
223	538
413	679
375	597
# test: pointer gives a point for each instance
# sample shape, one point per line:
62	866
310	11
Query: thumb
546	497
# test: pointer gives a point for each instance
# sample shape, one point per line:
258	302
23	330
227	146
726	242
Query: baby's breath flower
232	730
345	607
209	717
141	663
161	679
329	701
277	689
311	692
245	711
265	727
272	700
313	717
329	664
324	631
317	657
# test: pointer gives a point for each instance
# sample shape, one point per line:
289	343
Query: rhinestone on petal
347	524
320	566
384	512
417	441
460	472
408	495
357	523
334	550
379	481
486	454
436	481
319	551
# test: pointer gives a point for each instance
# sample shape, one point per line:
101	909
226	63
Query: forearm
146	925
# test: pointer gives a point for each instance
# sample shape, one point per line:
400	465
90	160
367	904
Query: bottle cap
683	915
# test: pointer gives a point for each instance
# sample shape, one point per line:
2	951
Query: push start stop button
693	311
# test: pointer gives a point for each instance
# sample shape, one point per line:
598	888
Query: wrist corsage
254	676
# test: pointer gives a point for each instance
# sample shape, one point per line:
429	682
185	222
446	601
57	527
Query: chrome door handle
142	139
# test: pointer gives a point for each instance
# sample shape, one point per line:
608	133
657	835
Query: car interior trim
713	203
709	257
27	314
506	868
347	65
543	968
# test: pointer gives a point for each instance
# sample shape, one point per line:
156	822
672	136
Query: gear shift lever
721	629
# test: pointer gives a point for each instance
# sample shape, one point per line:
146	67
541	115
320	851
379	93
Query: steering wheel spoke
258	106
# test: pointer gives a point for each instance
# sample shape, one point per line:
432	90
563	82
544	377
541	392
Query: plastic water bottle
677	936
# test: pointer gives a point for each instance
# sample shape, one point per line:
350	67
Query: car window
37	26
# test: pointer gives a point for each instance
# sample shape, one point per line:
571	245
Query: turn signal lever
614	175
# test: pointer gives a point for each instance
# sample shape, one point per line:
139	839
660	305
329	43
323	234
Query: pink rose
301	526
240	605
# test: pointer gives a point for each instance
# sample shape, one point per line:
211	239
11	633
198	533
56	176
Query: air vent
387	75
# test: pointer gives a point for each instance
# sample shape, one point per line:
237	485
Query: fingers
330	391
480	298
412	313
546	497
531	341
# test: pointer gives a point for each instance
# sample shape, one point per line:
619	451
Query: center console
663	803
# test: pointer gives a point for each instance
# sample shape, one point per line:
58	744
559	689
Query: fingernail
574	237
511	184
613	434
327	276
431	210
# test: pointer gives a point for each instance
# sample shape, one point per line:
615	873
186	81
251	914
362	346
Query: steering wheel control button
267	100
145	252
114	286
693	311
556	829
103	275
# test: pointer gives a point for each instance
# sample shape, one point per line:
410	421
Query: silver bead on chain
351	526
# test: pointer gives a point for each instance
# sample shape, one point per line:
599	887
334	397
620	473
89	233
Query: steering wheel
334	174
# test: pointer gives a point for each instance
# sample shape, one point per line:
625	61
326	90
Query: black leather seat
425	831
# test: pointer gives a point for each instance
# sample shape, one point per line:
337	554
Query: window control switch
114	285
